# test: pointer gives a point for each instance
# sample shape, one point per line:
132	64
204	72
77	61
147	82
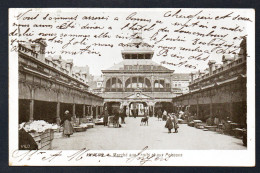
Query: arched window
137	82
114	83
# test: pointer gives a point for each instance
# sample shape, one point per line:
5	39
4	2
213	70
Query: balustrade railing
133	89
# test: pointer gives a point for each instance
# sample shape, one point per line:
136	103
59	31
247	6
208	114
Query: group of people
162	115
116	113
170	118
172	123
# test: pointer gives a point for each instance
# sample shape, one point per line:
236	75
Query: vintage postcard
131	87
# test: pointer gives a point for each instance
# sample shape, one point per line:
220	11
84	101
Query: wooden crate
211	128
43	139
80	129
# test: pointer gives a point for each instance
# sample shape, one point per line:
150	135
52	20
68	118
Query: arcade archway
138	109
164	106
112	106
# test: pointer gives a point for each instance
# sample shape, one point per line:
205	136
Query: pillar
84	110
88	110
231	103
58	113
153	111
31	109
96	111
91	112
211	106
197	107
152	82
74	110
231	111
31	105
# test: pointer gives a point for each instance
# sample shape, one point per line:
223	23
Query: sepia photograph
131	87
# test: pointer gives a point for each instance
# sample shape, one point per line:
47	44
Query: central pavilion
138	82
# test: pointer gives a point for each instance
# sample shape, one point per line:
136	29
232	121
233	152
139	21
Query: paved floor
132	136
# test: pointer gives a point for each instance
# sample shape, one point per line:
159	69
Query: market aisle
132	136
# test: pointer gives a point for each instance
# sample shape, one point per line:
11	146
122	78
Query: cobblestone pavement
132	136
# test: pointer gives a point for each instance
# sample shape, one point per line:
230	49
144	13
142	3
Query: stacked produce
83	125
38	126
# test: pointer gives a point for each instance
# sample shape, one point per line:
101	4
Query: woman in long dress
159	114
105	117
67	126
175	122
164	117
169	124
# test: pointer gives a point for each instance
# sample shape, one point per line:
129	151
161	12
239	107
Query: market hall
48	86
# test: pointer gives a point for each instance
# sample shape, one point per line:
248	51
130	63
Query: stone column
152	82
231	111
197	105
211	106
88	110
31	105
91	112
96	111
74	110
58	113
31	109
84	111
231	103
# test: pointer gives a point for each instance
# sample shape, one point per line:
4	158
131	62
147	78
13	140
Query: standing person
164	118
136	114
169	124
116	118
133	112
105	116
67	127
123	116
159	113
175	122
26	141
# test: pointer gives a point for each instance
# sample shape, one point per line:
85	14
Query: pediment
137	95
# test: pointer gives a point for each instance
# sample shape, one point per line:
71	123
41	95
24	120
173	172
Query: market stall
42	133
